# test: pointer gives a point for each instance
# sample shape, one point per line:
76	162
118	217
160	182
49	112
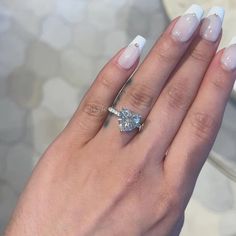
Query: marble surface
50	52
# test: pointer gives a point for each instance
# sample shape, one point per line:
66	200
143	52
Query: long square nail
212	24
131	54
187	24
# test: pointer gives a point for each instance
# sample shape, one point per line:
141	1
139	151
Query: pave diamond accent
128	120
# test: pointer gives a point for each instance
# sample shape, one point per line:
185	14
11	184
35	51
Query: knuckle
134	172
219	81
104	78
94	110
177	97
168	204
106	82
203	125
132	176
175	203
140	96
200	55
165	51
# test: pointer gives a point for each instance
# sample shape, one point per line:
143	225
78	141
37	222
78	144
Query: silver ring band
114	111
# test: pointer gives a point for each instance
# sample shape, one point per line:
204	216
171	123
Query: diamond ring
127	119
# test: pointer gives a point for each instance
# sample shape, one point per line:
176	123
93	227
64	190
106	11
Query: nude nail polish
212	24
228	58
187	24
131	54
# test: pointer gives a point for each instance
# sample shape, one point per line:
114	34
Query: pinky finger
196	136
92	111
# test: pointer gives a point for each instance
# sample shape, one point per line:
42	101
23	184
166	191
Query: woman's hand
96	180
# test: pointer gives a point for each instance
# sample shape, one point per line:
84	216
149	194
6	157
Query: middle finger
152	75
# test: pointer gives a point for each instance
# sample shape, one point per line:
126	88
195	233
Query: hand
96	180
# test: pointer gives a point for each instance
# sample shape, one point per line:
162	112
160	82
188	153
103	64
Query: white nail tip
219	11
131	54
233	41
195	9
140	41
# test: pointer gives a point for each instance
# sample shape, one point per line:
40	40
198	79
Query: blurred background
51	51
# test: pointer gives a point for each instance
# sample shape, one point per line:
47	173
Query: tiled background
50	52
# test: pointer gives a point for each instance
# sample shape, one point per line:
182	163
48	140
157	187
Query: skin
94	180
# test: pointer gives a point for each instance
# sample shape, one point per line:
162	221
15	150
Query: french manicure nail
228	58
211	26
187	24
132	53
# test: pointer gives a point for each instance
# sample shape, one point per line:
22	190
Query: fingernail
132	53
211	26
228	58
187	24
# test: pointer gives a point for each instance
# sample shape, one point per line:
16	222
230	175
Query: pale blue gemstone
137	119
128	120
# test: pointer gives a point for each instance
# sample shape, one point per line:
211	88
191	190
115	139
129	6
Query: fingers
172	105
92	111
151	77
196	136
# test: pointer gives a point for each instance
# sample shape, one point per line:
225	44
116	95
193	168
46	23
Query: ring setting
128	120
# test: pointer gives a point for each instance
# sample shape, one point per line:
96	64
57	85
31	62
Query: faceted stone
128	120
137	119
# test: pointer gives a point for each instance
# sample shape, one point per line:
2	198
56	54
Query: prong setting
128	120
